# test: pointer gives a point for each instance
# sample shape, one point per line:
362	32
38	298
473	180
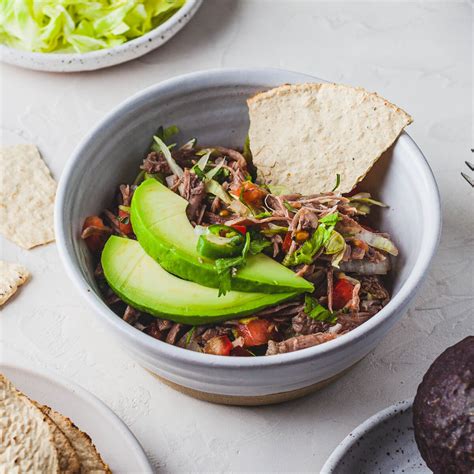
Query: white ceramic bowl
74	62
211	105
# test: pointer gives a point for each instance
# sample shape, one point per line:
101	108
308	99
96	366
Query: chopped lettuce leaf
79	26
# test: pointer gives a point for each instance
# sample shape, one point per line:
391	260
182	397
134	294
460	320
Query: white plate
115	442
73	62
385	443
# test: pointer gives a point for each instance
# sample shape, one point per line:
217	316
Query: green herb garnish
305	254
338	182
316	311
227	266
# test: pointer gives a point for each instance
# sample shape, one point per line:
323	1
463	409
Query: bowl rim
190	7
367	425
227	76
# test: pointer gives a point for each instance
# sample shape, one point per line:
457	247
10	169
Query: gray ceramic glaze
211	105
383	444
74	62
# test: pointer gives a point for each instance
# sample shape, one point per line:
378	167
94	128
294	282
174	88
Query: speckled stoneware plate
115	442
385	443
74	62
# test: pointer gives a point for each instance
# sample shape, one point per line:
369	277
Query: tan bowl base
269	399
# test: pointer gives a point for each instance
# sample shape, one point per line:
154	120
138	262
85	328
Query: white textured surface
417	54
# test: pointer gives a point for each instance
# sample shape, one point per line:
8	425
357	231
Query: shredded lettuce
79	26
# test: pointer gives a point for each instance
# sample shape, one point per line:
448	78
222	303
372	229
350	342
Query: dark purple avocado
443	411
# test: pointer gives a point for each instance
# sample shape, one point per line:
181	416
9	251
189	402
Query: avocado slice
143	284
159	220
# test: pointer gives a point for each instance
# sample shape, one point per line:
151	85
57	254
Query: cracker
304	135
27	193
12	276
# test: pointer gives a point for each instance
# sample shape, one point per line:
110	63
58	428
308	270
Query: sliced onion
175	168
377	241
364	267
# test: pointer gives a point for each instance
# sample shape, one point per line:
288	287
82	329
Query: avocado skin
122	257
443	411
204	271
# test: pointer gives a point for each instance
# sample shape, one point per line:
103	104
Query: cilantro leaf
338	182
258	244
311	247
227	266
318	312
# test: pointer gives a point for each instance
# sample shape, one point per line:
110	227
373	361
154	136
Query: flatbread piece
12	276
27	193
303	135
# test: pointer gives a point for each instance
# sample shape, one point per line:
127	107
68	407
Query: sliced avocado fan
159	220
141	282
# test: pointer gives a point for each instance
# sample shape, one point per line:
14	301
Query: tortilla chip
67	457
27	193
304	135
27	441
89	457
12	276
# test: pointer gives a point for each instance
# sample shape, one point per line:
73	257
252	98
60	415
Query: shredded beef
131	315
303	325
194	192
298	342
156	163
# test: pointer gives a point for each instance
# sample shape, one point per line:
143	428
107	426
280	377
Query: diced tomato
218	345
287	242
124	222
256	332
341	293
250	193
95	242
240	228
240	352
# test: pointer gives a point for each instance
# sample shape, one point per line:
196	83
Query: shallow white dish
385	443
211	105
115	442
74	62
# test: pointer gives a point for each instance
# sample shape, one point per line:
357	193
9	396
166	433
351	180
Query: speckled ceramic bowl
212	106
74	62
383	444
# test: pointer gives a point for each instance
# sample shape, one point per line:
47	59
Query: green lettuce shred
79	26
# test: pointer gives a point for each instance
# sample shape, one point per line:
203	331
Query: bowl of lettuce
82	35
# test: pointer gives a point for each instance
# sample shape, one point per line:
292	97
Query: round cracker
304	135
27	439
89	457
